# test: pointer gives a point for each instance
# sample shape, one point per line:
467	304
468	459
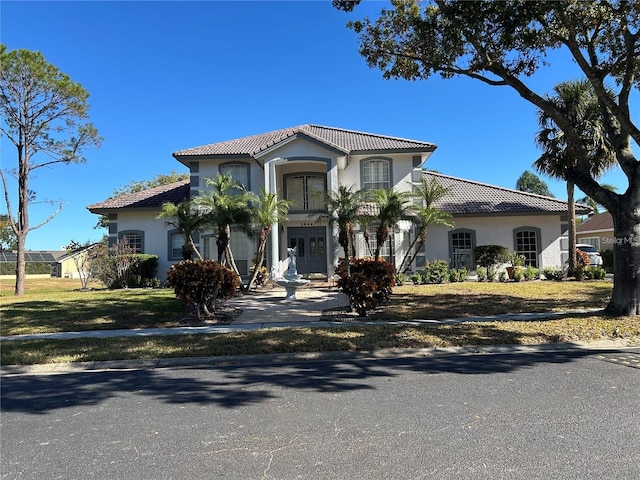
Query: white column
270	187
332	232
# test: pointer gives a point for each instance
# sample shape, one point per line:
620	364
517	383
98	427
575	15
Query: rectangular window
462	250
238	172
177	241
376	174
133	241
240	246
388	249
527	245
207	248
305	191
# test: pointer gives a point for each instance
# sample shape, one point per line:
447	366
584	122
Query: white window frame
228	169
376	173
311	201
137	235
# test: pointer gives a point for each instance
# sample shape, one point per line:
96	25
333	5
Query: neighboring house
300	162
72	265
55	263
597	230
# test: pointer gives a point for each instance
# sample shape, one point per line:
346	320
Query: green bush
488	255
481	273
491	273
199	283
551	273
416	278
369	285
530	273
458	274
401	278
143	270
595	273
518	274
503	276
435	272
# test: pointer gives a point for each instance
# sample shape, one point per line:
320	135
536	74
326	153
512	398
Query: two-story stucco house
300	161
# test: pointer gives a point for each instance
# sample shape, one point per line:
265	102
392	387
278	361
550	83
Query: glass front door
312	252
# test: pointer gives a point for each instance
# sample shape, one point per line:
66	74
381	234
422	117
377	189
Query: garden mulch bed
223	315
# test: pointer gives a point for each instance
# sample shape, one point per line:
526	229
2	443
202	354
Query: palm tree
225	204
577	101
392	206
427	193
343	210
267	210
187	220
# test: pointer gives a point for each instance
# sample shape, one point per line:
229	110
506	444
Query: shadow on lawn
405	306
90	313
231	386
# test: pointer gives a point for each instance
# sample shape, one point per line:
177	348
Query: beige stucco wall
499	231
155	235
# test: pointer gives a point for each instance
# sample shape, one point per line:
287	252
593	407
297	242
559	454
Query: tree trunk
264	235
222	240
625	299
571	218
21	265
22	227
412	251
231	261
343	240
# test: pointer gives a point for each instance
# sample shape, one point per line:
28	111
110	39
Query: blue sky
164	76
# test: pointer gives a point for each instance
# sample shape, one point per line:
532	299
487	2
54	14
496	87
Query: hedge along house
298	163
528	224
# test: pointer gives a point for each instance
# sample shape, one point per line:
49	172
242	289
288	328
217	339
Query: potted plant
516	261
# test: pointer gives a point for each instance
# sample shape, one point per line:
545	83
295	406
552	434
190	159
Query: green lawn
48	307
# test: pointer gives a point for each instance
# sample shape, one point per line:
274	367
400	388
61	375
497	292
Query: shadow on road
242	384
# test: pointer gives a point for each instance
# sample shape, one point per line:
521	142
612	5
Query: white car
595	259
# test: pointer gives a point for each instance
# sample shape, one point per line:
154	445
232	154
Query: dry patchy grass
470	299
48	309
294	340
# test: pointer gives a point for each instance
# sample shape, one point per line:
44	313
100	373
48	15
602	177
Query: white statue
292	252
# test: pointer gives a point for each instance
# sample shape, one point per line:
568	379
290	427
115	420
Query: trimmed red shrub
369	285
199	283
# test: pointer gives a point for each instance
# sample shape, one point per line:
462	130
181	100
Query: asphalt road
559	415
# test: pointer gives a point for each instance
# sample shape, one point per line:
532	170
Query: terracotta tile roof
600	221
347	141
152	198
473	198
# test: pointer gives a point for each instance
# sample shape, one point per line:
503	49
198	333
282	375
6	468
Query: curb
128	365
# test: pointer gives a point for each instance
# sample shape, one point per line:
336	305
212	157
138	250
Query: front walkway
268	307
